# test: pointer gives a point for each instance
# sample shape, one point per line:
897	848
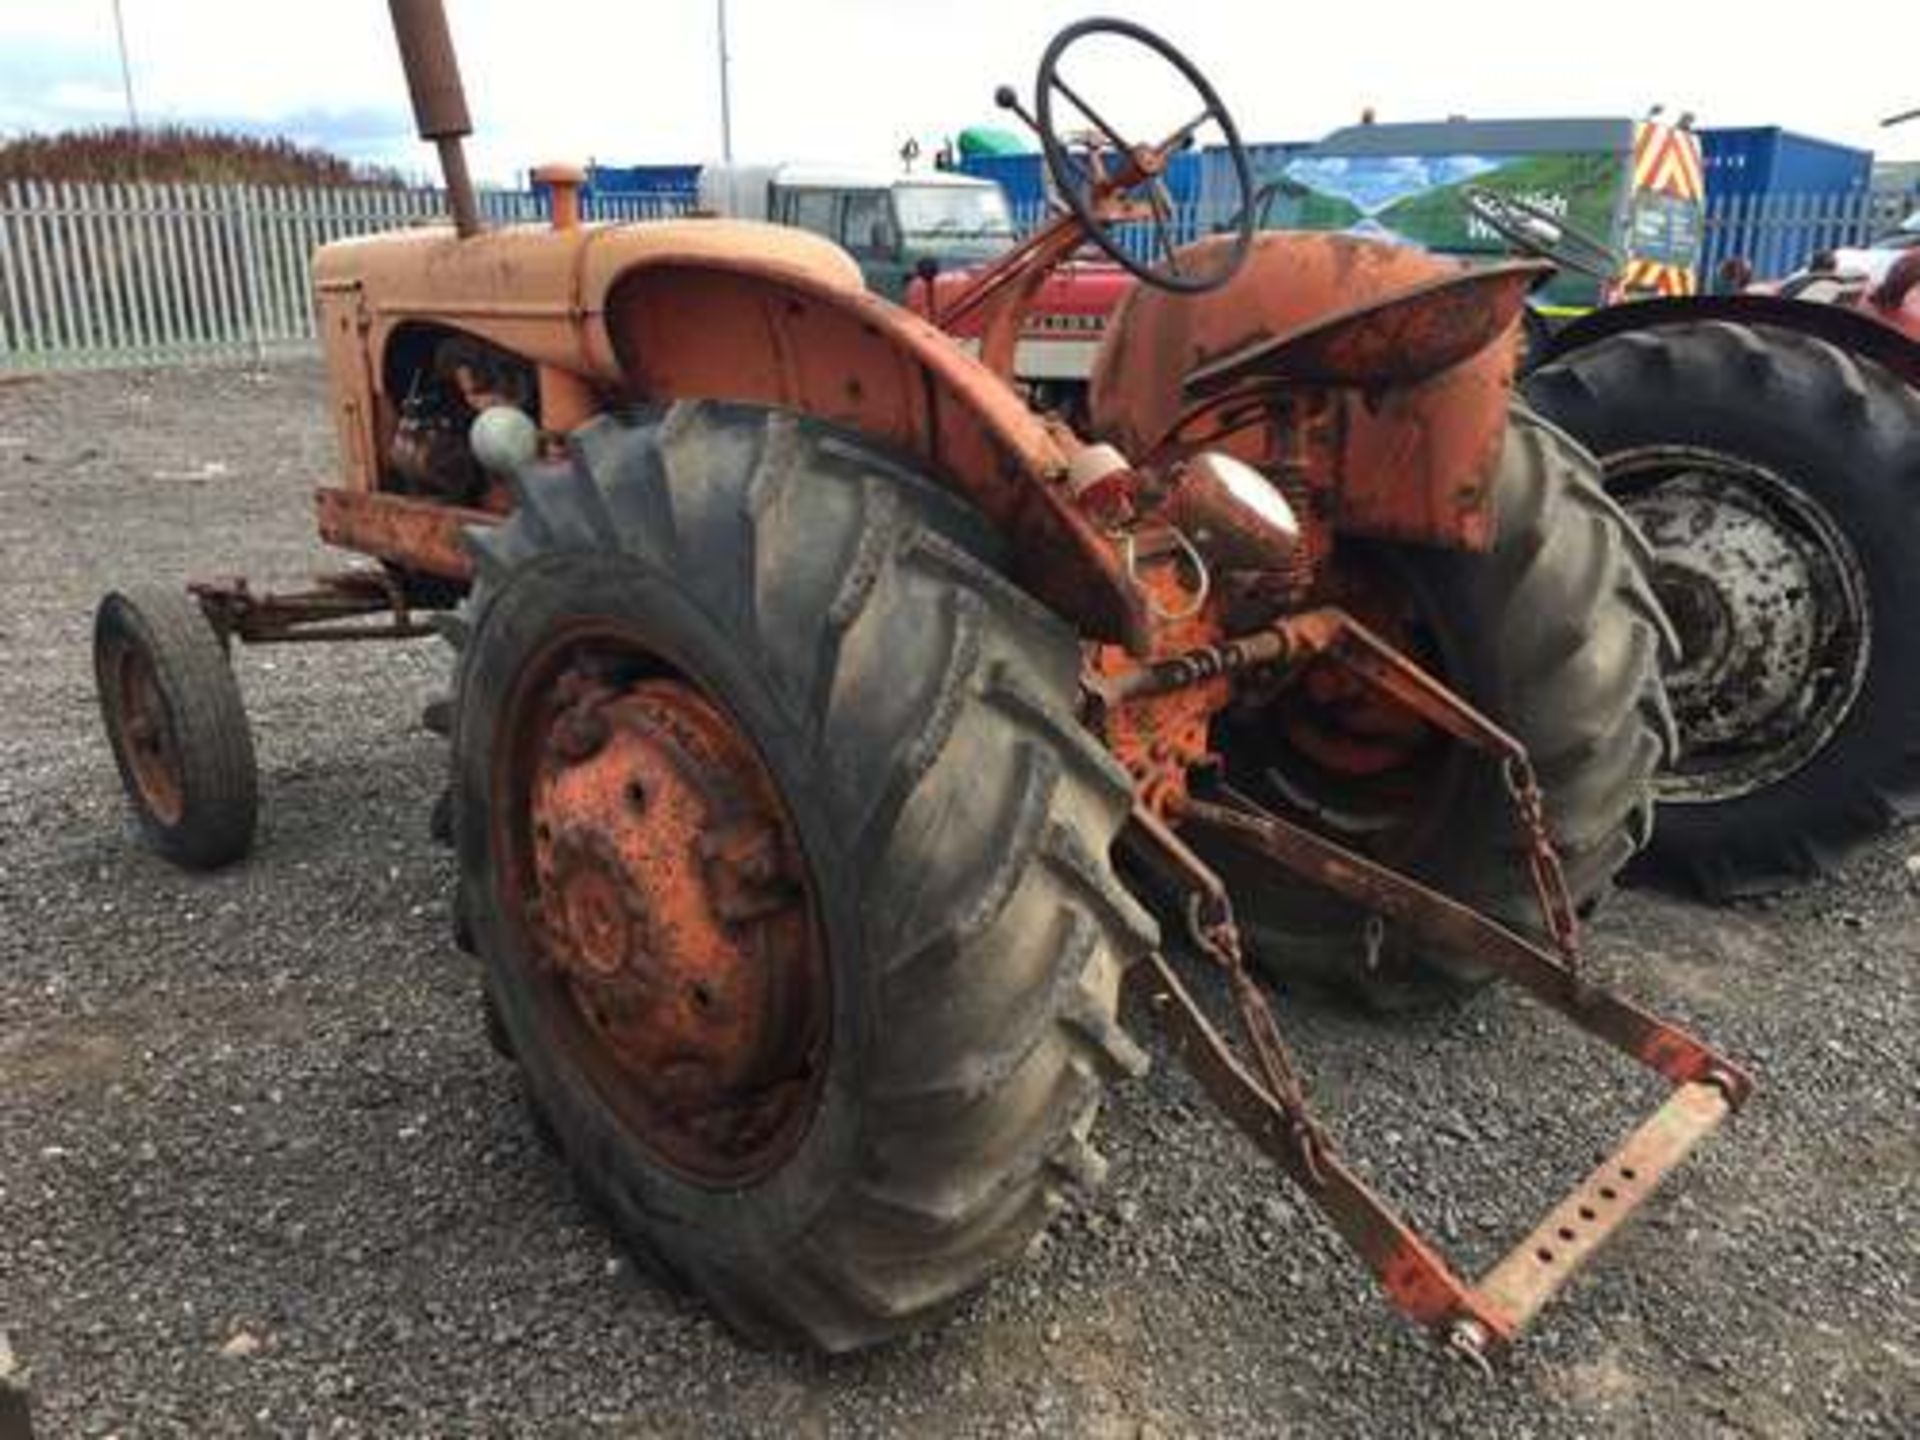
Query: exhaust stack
439	103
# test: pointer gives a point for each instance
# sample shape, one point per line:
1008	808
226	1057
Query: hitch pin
1467	1340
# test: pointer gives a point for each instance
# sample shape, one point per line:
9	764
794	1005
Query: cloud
50	83
84	97
848	80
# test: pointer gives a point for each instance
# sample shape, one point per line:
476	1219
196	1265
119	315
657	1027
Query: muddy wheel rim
661	900
1769	600
143	724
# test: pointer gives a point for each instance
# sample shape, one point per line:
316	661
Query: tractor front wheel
787	863
178	728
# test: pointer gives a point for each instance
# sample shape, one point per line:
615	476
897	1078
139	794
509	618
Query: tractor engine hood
736	310
542	292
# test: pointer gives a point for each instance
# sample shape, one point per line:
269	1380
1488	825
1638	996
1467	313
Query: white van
889	224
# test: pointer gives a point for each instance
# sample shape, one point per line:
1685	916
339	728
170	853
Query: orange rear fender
1404	460
735	331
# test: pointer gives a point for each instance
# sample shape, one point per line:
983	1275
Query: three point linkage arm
1268	1102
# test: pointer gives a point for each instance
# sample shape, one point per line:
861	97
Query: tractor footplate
1475	1318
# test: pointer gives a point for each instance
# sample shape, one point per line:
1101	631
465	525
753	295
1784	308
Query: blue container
1775	197
1766	160
1023	177
643	180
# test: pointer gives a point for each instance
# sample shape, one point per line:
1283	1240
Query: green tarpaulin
978	140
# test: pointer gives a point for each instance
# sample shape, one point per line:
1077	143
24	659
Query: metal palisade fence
1189	222
1775	234
1778	234
114	275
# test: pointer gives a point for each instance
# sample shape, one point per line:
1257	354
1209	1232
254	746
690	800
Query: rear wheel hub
1330	747
670	912
1769	601
146	731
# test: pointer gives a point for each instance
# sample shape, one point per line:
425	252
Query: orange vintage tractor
825	720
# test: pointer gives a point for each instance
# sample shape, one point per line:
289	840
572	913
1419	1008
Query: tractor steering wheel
1085	183
1538	231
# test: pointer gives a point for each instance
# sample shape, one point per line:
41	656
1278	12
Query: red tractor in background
1060	335
833	738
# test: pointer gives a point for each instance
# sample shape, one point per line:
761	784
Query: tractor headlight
1233	514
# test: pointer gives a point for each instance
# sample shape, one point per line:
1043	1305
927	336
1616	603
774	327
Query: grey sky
634	80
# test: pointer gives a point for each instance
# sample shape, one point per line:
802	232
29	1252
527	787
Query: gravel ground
259	1172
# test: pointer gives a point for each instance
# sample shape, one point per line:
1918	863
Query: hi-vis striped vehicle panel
1669	186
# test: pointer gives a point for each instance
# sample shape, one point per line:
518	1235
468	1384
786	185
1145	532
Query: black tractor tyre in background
916	712
1778	480
178	727
1536	337
1555	635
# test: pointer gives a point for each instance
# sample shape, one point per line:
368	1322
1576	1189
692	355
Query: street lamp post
726	107
126	68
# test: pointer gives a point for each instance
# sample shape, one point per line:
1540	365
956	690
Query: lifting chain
1218	938
1543	860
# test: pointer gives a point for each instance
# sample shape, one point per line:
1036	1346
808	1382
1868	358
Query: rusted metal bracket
1331	633
1345	640
327	612
1268	1101
1450	925
423	534
1480	1318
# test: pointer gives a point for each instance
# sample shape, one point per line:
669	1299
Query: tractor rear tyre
787	863
1555	635
1777	479
178	728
